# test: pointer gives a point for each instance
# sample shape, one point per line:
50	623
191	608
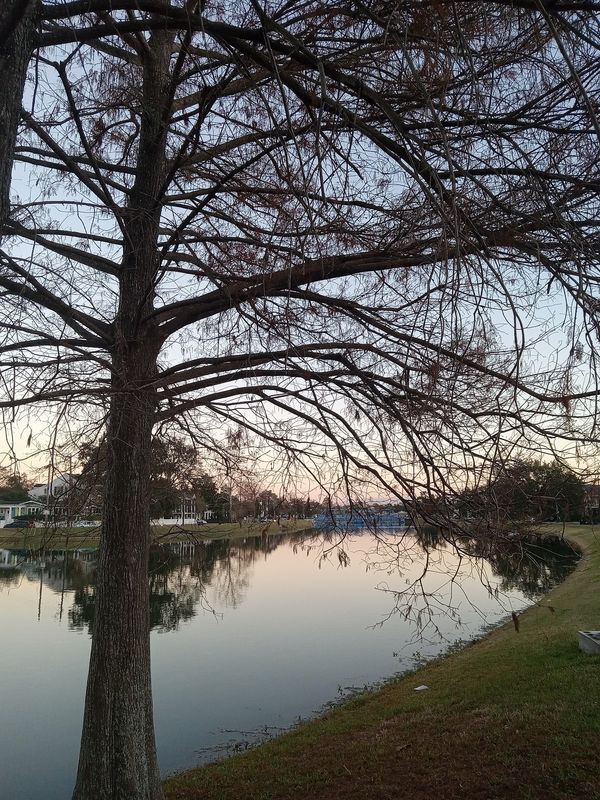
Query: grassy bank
515	715
74	538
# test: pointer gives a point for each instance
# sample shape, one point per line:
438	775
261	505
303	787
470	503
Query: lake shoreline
75	538
510	714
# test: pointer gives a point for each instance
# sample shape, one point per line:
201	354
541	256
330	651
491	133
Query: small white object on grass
421	688
589	641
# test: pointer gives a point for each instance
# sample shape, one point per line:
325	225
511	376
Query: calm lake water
247	637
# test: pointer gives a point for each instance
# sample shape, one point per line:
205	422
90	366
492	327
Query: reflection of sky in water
242	639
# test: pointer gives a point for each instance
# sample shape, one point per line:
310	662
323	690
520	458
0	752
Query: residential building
9	511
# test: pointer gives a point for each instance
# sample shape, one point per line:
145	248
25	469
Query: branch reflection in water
423	573
247	634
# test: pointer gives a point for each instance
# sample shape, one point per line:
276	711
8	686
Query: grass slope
514	715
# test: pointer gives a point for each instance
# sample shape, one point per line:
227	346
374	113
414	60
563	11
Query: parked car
21	522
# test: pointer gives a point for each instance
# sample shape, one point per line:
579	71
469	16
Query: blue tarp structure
359	519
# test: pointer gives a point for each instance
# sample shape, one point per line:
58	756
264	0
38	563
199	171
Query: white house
9	511
57	487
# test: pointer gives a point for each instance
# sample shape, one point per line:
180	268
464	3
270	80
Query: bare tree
17	29
364	234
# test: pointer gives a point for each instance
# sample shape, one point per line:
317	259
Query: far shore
61	538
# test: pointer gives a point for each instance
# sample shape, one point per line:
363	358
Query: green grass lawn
514	716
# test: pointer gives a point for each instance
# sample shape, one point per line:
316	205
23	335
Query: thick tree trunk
17	25
118	754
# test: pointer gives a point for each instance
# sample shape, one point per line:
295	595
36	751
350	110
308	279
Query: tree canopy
350	229
12	487
531	491
175	472
358	241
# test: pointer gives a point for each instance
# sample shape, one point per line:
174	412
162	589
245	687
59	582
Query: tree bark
17	26
118	754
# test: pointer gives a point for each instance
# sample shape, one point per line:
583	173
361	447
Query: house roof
20	503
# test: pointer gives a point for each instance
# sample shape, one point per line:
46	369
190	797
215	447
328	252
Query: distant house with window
57	495
9	511
184	514
55	489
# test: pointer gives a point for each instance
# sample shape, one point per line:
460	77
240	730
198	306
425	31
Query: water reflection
247	635
532	566
10	576
182	572
438	583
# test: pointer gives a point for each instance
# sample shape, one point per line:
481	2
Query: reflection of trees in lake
530	564
230	578
81	614
174	593
429	574
9	576
181	575
533	566
59	570
186	577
